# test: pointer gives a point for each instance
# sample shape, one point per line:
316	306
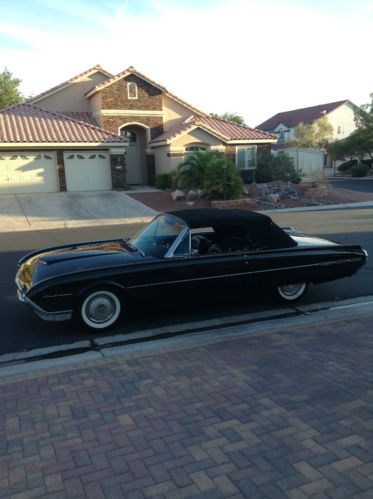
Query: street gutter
149	341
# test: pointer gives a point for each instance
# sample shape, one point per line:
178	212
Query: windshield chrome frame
171	251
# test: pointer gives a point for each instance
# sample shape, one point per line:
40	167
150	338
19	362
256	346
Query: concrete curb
70	224
363	204
183	335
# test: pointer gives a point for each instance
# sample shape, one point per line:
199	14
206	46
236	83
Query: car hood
79	257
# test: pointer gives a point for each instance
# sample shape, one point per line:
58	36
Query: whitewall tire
100	309
292	292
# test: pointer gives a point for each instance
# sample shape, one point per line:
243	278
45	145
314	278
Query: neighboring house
73	136
340	115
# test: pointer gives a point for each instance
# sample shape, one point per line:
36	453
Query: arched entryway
136	152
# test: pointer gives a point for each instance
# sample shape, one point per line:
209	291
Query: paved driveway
69	209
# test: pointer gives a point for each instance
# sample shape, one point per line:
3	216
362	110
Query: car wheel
292	292
100	309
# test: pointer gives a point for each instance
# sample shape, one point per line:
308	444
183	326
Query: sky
252	57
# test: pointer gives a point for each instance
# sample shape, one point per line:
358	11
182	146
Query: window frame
246	148
128	90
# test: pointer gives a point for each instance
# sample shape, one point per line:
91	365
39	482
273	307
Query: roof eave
66	84
33	145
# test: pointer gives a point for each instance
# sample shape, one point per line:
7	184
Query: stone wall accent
113	123
61	171
115	96
118	171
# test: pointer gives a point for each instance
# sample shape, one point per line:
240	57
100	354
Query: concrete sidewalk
277	409
20	212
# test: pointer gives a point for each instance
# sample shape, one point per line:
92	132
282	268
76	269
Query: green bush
222	180
359	170
191	172
279	166
347	165
165	180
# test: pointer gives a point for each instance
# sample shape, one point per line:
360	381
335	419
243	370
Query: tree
211	171
360	143
191	172
9	93
222	179
364	115
323	131
316	135
236	118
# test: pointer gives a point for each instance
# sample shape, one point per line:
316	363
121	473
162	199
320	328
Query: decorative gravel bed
261	197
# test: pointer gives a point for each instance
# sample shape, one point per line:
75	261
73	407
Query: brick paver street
281	413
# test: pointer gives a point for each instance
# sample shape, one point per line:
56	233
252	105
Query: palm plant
192	171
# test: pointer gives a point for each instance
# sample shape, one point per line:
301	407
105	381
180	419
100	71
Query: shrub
359	170
191	172
318	178
347	165
277	167
163	181
222	180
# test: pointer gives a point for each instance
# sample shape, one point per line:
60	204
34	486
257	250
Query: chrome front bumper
63	315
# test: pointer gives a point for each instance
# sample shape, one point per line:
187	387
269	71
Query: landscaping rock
177	195
273	197
192	195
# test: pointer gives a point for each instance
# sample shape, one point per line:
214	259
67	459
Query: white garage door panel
27	172
87	171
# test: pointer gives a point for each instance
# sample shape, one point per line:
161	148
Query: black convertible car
176	255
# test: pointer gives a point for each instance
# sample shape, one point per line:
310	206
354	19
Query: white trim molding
127	112
136	123
134	85
255	141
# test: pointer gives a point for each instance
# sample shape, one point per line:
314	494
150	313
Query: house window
340	129
132	90
194	149
281	136
246	157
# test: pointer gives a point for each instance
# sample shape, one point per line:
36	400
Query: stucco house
340	115
80	134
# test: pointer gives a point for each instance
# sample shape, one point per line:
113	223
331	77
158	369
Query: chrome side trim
62	315
239	274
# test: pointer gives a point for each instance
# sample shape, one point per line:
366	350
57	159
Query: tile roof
66	83
304	115
85	116
25	123
225	130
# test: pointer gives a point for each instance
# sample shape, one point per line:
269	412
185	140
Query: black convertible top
259	227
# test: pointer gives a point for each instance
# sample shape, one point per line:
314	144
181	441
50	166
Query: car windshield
157	237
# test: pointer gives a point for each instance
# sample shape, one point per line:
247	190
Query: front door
133	157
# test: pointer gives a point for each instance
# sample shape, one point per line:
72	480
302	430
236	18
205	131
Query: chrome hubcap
291	289
100	308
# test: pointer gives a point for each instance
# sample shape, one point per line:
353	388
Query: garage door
87	171
26	172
